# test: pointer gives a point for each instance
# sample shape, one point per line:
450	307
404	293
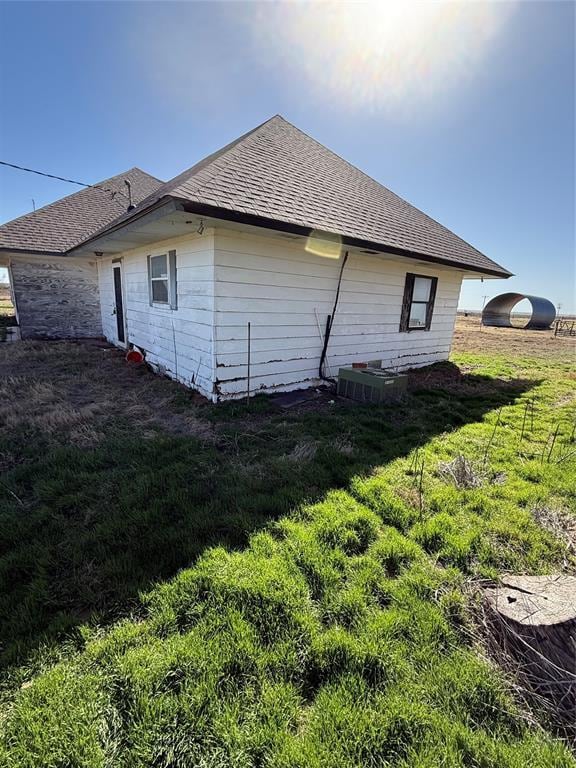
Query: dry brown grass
305	450
558	521
470	336
76	391
462	472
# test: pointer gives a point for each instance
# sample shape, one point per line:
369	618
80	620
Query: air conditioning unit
371	385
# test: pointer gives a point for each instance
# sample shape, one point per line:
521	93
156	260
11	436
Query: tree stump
533	620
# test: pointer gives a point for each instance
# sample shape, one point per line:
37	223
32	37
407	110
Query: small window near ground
418	303
162	279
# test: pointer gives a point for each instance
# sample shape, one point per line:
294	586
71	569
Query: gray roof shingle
58	227
279	173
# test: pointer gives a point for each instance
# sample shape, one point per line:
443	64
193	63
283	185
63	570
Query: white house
56	295
276	237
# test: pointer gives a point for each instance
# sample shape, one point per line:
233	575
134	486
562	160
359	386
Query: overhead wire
62	178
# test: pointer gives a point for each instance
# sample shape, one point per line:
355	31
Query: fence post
248	366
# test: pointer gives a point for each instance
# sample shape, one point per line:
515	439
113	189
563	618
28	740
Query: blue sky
464	109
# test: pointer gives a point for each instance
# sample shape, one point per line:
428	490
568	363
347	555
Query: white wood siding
177	342
227	278
286	293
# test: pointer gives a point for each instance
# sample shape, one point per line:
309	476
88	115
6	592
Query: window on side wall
418	303
162	279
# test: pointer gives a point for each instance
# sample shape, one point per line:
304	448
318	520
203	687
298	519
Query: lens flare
372	54
324	244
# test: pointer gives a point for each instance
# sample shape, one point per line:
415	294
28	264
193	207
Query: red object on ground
134	356
359	365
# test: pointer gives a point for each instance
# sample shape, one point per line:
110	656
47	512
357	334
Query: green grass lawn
288	589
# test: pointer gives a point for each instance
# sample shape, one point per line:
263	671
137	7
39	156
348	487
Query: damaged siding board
286	293
294	364
56	298
177	340
338	353
300	379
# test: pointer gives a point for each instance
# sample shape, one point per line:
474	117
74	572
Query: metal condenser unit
370	385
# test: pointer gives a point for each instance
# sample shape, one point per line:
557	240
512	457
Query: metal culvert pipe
498	310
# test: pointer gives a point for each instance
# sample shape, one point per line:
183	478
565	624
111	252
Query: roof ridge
229	149
168	187
405	203
207	161
64	223
118	175
85	188
390	191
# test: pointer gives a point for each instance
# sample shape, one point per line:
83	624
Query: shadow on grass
83	531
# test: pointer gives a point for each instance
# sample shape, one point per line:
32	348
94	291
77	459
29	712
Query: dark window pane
160	291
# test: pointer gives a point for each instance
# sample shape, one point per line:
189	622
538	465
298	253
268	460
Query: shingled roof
279	174
58	227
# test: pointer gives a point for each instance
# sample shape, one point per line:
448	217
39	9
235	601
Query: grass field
189	585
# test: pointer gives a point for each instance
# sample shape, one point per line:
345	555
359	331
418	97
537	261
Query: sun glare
378	53
324	244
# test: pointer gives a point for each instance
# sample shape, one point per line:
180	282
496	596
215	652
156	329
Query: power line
61	178
49	175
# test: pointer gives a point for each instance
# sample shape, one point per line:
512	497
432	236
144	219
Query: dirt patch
470	336
458	380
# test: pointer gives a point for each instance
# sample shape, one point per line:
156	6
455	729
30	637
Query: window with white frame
162	279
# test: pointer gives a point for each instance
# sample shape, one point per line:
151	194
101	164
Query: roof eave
282	226
226	214
33	251
111	228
